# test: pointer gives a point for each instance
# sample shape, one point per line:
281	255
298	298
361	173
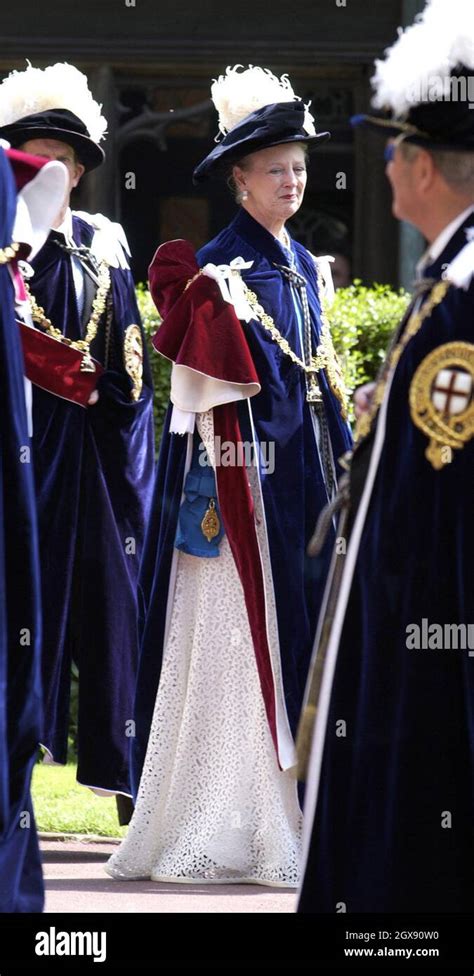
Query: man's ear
426	168
80	170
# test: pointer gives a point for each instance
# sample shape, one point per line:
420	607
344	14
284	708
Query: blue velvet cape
293	495
21	883
93	471
378	844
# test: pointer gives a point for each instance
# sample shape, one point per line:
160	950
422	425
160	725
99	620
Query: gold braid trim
8	253
98	309
413	326
193	279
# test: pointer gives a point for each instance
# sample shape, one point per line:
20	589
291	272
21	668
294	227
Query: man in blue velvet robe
93	464
389	802
21	883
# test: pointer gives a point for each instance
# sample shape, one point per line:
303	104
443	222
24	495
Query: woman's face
274	180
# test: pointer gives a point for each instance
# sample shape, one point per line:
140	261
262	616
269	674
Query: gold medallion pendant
442	402
210	525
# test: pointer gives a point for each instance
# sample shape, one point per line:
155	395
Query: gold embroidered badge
133	354
210	525
441	400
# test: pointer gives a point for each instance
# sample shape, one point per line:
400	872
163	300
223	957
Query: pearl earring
244	195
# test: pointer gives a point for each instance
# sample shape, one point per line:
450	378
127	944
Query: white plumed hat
256	109
426	82
441	38
53	102
238	93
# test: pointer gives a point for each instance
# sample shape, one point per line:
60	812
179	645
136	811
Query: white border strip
286	745
319	737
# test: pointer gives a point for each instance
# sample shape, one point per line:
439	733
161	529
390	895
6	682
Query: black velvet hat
272	125
445	123
60	124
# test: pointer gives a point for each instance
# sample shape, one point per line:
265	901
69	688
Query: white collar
440	242
66	226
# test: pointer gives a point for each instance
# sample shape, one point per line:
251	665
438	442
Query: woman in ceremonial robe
249	458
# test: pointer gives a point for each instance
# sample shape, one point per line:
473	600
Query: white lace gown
213	805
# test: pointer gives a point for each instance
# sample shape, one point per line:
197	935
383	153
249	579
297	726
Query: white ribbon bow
231	285
109	242
324	261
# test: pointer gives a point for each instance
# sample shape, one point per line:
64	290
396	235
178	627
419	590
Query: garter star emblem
442	400
133	354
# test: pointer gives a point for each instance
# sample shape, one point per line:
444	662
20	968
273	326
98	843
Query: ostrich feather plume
60	85
424	55
241	91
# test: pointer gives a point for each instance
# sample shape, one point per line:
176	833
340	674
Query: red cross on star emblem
451	392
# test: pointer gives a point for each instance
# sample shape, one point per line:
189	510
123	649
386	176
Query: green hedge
362	321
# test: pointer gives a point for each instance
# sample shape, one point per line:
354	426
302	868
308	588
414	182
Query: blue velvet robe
377	843
21	883
93	472
293	495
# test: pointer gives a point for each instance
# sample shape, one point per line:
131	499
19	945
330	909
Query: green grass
62	806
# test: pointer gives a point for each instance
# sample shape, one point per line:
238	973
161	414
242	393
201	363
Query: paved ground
76	882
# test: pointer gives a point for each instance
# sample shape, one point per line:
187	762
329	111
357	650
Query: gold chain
98	309
261	316
325	357
413	326
8	253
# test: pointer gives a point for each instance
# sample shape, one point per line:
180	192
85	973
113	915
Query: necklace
98	308
266	320
324	358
